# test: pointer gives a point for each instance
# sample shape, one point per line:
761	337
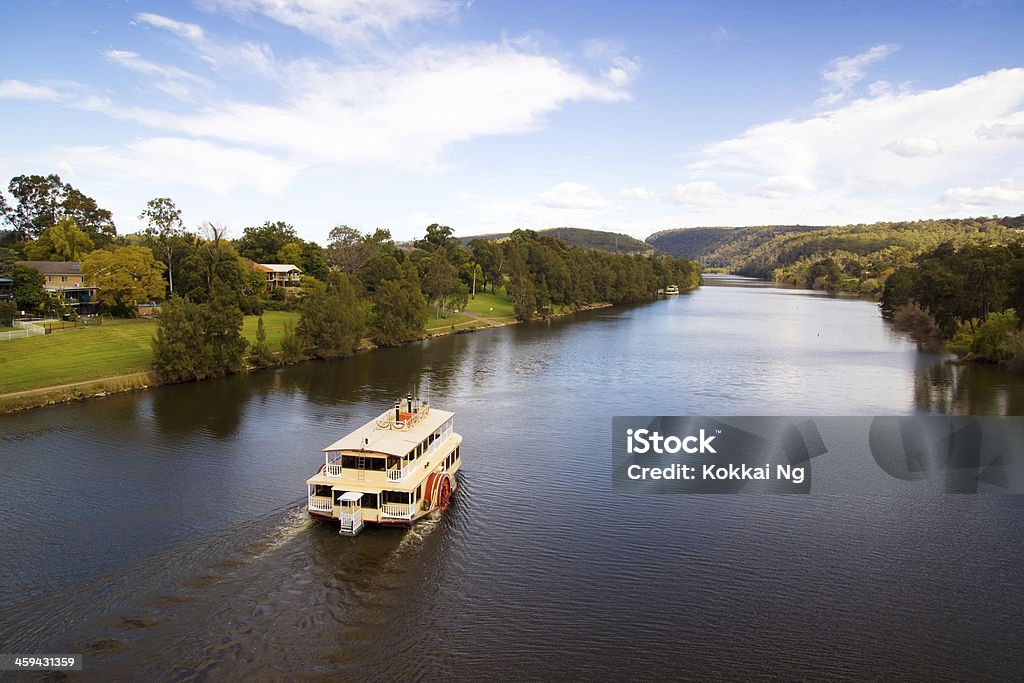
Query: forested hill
720	247
611	242
850	257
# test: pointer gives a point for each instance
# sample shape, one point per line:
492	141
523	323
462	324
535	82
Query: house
6	289
65	277
280	274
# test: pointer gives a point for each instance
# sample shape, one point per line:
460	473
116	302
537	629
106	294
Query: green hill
612	242
850	257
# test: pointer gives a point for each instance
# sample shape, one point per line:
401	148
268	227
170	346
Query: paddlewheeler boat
394	470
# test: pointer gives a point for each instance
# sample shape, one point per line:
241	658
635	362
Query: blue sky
490	116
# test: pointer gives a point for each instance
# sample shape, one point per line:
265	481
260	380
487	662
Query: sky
491	115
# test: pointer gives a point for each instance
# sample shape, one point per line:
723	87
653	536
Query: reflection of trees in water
969	389
214	406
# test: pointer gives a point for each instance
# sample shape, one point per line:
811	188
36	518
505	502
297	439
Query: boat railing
351	521
321	503
388	419
333	469
397	510
398	473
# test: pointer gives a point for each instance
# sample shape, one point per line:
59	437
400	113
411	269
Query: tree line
968	296
357	286
855	258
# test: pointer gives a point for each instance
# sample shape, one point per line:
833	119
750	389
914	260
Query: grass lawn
122	347
7	329
491	305
117	347
75	355
273	323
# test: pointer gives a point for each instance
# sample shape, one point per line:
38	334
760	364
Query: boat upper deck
390	436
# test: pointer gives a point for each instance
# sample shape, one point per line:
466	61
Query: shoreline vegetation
225	316
100	387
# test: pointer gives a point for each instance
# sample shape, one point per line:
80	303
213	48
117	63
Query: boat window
370	501
456	452
419	491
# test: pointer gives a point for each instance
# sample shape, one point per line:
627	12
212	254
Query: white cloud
914	147
227	56
1000	131
172	161
845	72
19	90
340	22
572	196
998	195
636	193
170	79
191	32
400	115
781	186
701	193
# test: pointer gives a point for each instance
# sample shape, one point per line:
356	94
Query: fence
25	329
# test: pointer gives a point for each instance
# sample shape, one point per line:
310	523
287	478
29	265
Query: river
161	534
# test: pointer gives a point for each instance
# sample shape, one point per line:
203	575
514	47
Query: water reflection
968	389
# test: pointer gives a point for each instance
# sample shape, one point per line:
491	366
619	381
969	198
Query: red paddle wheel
438	491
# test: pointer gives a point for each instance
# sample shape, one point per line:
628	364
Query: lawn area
273	323
75	355
121	347
491	305
117	347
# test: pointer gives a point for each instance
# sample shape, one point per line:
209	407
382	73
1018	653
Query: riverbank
116	359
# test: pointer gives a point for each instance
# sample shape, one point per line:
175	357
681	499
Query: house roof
278	267
54	267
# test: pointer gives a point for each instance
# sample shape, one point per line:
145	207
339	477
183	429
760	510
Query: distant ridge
613	242
720	247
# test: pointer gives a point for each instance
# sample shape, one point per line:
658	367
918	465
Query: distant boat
671	289
394	470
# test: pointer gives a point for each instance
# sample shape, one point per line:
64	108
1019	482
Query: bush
993	334
910	317
7	312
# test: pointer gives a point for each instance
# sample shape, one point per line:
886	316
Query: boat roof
391	441
350	496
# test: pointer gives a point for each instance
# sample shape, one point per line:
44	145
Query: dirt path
58	387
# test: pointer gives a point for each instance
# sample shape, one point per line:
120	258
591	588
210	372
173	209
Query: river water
162	533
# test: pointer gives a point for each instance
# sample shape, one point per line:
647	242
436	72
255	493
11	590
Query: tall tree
44	200
61	242
349	250
125	277
29	292
399	309
331	317
262	243
165	230
212	258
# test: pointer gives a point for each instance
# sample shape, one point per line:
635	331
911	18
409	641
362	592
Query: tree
8	257
8	309
178	346
491	258
331	319
261	355
290	253
438	237
199	341
261	244
349	250
28	288
313	261
124	277
399	310
61	242
212	258
44	200
225	345
442	285
165	230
